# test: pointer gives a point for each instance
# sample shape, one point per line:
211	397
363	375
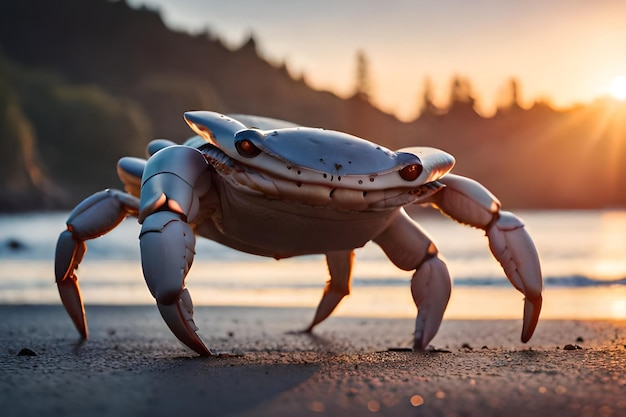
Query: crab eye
411	172
246	148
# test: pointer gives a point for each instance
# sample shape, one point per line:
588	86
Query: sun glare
618	87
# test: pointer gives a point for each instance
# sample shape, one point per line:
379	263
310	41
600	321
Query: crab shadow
315	340
220	387
229	385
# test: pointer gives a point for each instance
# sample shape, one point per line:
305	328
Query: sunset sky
567	51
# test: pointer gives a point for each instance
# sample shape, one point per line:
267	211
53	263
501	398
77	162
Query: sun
618	87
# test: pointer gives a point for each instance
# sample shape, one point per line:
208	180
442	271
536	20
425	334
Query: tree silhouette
426	105
510	98
362	87
461	93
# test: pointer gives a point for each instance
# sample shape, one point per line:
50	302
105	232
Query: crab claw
514	249
410	248
167	245
470	203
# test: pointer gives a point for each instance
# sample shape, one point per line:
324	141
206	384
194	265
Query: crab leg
167	241
468	202
408	247
340	269
94	217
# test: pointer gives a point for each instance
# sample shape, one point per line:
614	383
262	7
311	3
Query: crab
271	188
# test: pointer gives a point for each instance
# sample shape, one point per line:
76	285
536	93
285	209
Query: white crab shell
319	156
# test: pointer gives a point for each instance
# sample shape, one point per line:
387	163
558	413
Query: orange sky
565	50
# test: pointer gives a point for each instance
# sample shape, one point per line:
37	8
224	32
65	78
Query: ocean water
583	256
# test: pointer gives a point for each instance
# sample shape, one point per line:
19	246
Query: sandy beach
133	366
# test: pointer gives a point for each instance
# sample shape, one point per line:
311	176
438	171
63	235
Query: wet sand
133	366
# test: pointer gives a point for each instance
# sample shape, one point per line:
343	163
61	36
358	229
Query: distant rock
14	244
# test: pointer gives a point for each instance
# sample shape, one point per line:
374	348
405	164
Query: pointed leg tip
180	323
532	310
419	345
81	326
420	348
204	351
72	300
305	331
84	332
198	346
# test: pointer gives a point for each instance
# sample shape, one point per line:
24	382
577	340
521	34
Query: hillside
133	77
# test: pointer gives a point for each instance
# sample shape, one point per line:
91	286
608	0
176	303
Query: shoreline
466	302
133	366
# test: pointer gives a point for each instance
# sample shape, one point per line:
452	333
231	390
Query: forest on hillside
84	82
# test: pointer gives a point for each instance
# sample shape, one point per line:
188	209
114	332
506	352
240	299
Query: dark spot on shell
26	352
371	179
299	172
338	166
288	166
299	184
322	160
325	175
360	181
339	178
332	192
